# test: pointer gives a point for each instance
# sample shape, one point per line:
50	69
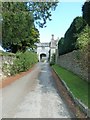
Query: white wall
41	50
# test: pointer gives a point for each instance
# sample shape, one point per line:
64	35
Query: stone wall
5	63
1	73
74	62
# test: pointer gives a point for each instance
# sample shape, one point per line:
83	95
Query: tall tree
70	37
86	11
68	43
42	11
18	29
61	46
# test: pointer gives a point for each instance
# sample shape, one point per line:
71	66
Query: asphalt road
34	96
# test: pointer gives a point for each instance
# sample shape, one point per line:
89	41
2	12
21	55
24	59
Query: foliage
70	35
42	11
23	62
84	38
68	43
61	46
19	62
77	86
86	12
83	42
53	57
18	29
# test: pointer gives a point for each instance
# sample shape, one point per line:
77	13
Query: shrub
23	62
52	62
84	39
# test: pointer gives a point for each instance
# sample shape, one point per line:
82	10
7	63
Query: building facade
43	51
46	50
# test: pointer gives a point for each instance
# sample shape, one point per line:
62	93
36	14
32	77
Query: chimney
52	37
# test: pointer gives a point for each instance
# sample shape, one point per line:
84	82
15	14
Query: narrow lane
14	94
34	96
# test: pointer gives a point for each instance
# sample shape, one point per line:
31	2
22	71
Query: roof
42	44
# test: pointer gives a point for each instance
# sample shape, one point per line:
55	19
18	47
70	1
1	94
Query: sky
62	18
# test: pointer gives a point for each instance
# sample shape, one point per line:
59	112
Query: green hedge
23	62
52	62
68	42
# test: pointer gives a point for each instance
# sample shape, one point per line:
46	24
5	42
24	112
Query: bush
52	62
23	62
84	39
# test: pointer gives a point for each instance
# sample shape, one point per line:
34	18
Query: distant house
46	50
43	51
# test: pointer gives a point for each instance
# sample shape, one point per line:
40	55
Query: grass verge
78	86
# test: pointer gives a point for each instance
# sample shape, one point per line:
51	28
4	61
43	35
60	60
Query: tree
18	29
86	12
42	11
68	43
61	46
70	37
77	35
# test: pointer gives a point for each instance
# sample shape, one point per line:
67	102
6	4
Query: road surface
34	96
